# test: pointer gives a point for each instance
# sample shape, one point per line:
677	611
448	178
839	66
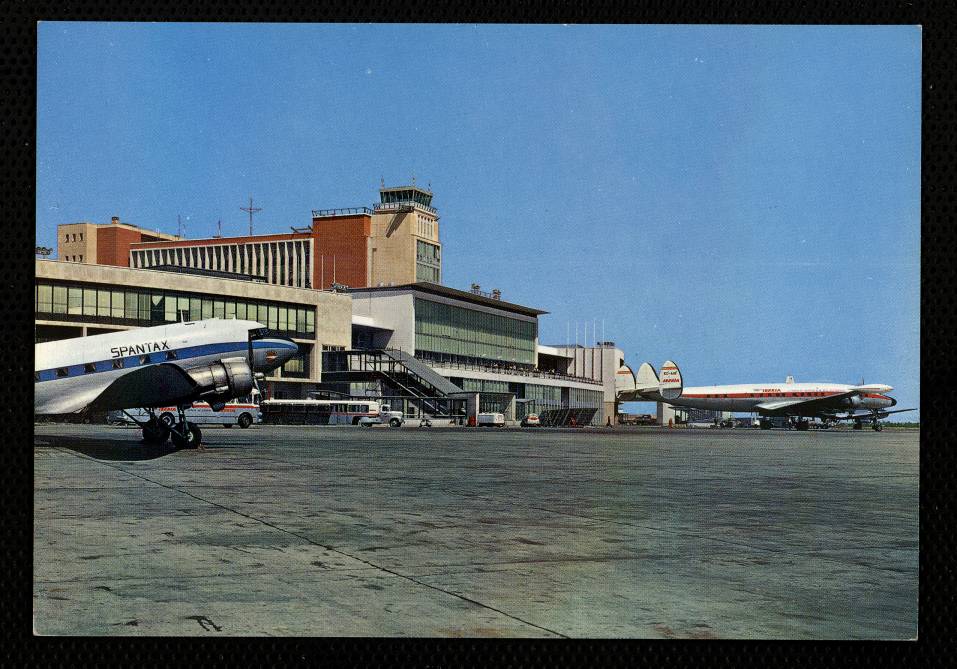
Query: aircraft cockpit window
171	355
118	363
61	372
89	368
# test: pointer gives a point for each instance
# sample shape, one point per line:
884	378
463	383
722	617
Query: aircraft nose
893	402
272	352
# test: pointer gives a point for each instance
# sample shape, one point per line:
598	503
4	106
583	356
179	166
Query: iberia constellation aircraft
827	401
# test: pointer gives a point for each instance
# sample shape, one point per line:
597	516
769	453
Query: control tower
395	242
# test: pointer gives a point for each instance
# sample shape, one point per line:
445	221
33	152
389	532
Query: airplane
827	401
215	360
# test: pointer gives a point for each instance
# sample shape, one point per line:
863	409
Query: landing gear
858	425
155	431
877	427
186	435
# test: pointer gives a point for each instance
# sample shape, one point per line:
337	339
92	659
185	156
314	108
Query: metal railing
391	206
511	371
347	211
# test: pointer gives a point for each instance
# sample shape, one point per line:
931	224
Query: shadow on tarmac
107	449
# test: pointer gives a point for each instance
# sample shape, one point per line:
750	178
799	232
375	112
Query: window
241	311
130	310
145	359
117	301
81	239
207	309
171	355
62	372
118	363
81	258
59	299
219	309
103	303
230	309
45	298
89	368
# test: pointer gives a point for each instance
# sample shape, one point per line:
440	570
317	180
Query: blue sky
744	200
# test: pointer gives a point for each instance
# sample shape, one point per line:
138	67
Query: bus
364	412
243	412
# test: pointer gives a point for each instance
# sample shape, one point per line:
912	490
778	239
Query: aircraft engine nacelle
855	402
224	380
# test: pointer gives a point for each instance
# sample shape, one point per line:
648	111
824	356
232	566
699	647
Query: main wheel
878	427
155	432
245	421
191	439
168	419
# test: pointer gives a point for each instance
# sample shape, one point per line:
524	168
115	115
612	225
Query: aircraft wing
869	414
808	407
154	385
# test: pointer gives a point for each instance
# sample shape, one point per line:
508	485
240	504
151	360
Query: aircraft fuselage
746	397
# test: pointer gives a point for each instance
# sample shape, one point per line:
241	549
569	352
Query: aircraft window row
117	363
154	308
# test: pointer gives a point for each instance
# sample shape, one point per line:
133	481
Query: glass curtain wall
469	334
83	303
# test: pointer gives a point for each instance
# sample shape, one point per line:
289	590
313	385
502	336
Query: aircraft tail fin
624	380
671	385
647	378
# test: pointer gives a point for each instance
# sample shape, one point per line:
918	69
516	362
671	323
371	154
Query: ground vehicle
636	419
364	412
242	412
491	420
393	418
531	420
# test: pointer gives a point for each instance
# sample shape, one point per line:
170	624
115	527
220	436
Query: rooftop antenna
252	210
180	228
219	229
382	181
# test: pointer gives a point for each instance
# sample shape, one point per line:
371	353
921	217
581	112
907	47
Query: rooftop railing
348	211
391	206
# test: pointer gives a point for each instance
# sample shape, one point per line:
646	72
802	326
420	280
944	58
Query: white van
491	420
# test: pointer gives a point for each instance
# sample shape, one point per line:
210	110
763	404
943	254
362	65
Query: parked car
531	420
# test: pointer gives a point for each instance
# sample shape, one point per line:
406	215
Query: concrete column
472	404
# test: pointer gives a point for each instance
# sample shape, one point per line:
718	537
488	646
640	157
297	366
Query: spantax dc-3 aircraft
214	360
831	402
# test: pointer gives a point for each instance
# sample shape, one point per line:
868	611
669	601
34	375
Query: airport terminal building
359	290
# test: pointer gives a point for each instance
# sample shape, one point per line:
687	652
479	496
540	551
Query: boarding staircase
397	368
